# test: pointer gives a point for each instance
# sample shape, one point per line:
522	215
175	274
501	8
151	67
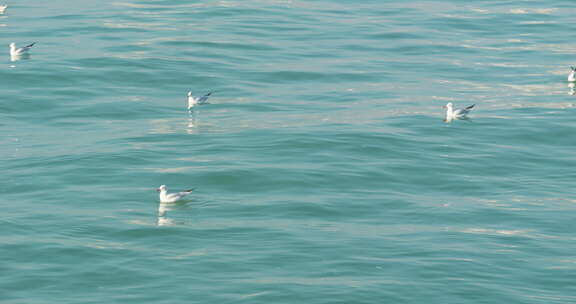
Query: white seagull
3	8
452	113
165	197
572	75
193	101
14	51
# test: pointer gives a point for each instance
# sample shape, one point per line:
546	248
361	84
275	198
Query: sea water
323	169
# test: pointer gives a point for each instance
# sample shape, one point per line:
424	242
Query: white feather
452	113
166	197
14	51
194	101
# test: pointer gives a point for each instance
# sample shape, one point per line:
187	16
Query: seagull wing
24	49
29	46
184	193
461	112
180	195
204	99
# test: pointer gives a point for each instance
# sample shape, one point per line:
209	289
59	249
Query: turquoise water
324	170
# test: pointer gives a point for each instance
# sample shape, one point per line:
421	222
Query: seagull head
448	106
12	45
162	188
189	93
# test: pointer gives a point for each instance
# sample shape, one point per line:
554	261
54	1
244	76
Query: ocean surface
323	167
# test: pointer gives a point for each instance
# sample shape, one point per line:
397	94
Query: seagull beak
158	190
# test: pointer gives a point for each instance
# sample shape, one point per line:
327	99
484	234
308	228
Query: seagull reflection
163	219
192	118
172	214
451	119
24	56
571	87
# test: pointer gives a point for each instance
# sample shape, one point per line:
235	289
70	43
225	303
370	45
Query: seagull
572	75
193	101
172	197
456	113
19	51
3	8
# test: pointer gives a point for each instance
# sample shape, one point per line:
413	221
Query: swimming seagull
19	51
193	101
3	8
172	197
456	113
572	75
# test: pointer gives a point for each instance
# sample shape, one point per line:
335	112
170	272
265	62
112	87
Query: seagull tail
470	107
190	190
30	45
